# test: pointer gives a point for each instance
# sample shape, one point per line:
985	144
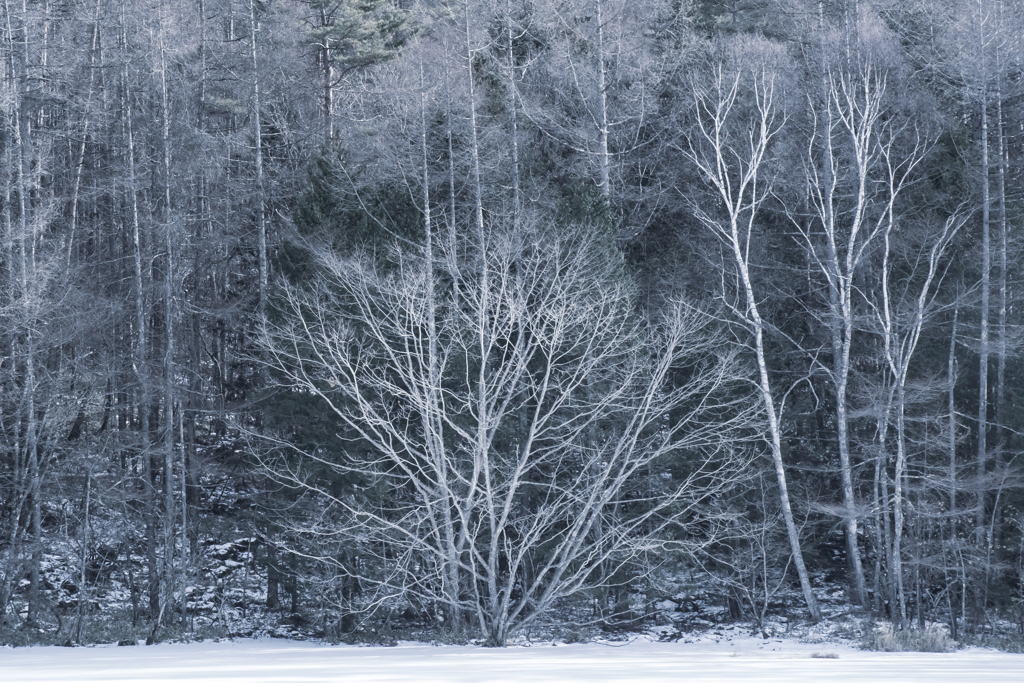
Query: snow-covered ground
743	659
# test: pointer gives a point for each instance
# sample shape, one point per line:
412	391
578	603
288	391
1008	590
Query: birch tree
730	148
901	328
851	202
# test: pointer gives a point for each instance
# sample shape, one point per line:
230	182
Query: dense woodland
487	314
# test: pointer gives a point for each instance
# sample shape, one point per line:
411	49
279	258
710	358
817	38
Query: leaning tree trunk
739	183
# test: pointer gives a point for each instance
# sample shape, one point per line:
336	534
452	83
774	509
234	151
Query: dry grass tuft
931	639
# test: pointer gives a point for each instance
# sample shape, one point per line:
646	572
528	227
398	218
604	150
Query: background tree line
374	298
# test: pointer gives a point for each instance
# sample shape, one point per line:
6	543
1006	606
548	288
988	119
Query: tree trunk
602	98
141	359
22	143
1002	341
261	209
986	286
738	183
80	163
169	324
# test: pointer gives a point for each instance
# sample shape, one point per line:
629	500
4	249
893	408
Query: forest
472	317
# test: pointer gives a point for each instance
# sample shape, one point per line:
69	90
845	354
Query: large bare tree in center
472	406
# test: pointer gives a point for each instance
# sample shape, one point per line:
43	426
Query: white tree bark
732	163
261	199
853	141
900	338
170	573
986	279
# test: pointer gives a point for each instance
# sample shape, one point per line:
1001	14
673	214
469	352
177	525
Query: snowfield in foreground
262	661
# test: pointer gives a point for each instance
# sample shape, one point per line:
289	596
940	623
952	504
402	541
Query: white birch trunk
719	163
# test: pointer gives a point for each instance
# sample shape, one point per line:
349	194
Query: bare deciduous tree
853	181
477	428
901	327
730	148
